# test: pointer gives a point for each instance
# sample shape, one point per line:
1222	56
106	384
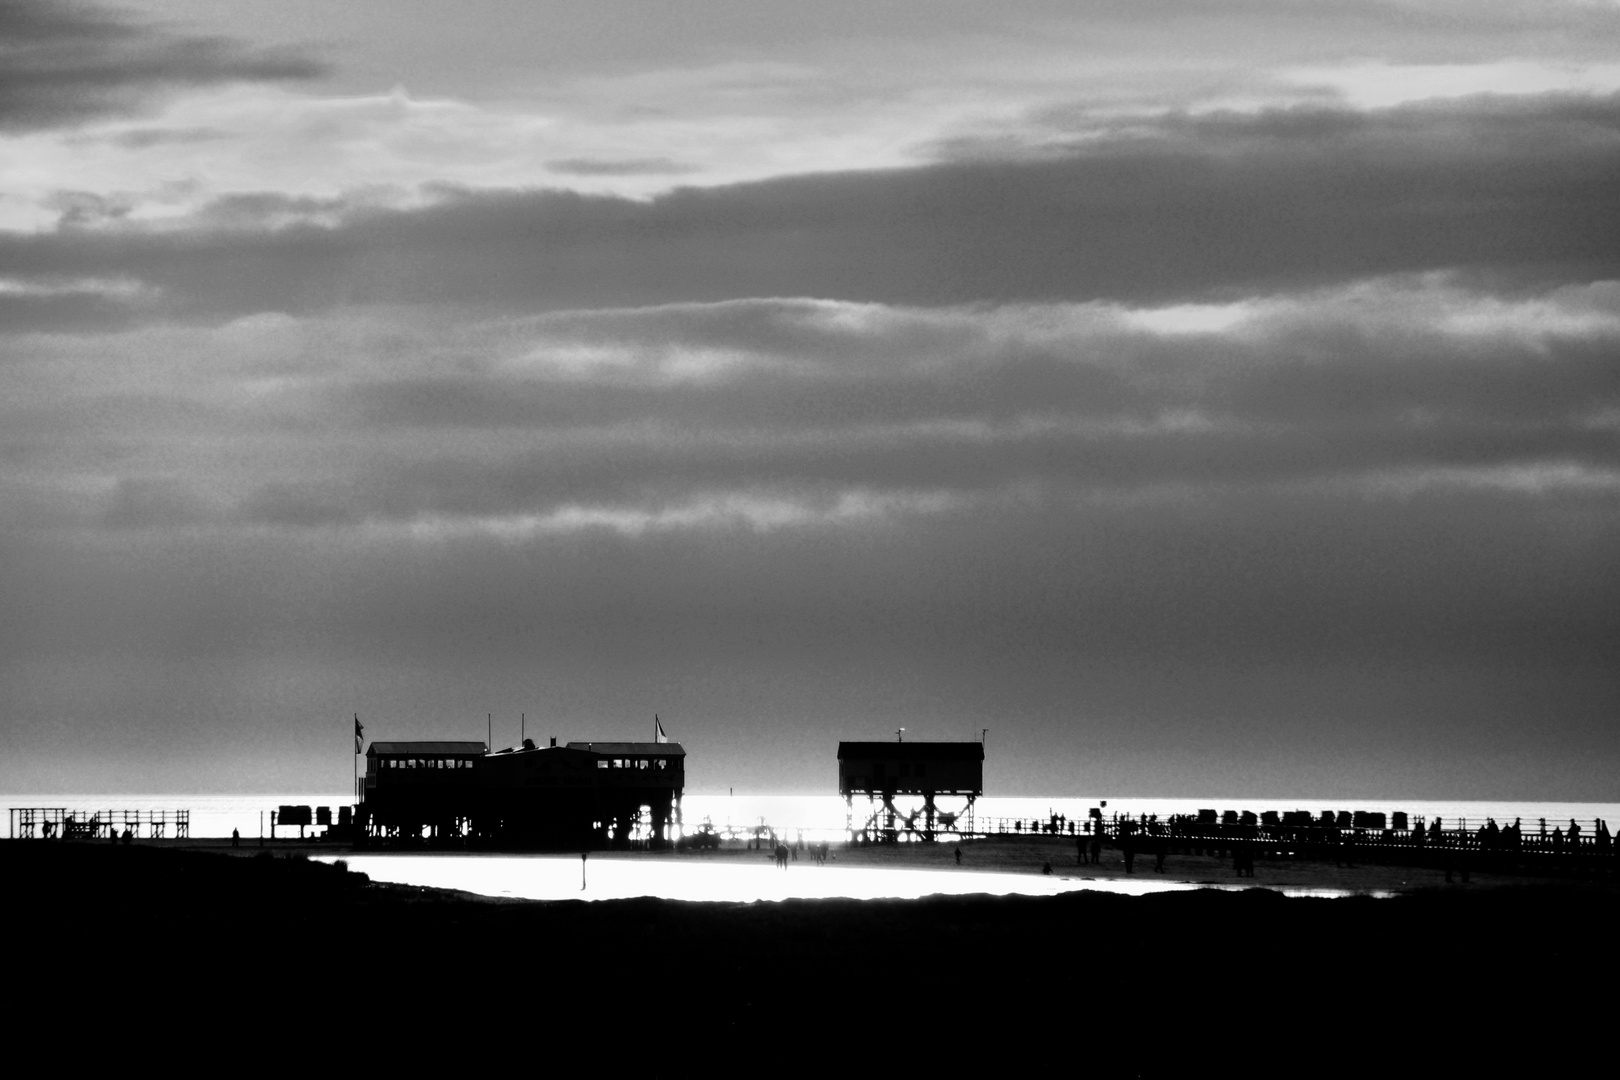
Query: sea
813	818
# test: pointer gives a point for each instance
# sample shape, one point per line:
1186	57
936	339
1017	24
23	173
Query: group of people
48	831
1491	837
784	854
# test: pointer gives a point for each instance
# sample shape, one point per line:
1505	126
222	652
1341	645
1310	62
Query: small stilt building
884	771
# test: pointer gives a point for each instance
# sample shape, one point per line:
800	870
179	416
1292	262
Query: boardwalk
57	822
1571	847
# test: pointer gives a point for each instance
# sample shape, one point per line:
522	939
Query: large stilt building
582	796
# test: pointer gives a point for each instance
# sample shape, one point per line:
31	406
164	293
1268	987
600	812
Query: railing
56	822
1465	844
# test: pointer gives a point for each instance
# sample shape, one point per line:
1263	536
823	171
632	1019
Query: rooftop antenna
897	732
984	736
523	728
489	730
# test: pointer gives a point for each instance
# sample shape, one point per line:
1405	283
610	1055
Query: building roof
916	751
426	749
631	749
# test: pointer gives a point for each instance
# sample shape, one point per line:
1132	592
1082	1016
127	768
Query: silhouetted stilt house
883	771
583	794
580	796
415	786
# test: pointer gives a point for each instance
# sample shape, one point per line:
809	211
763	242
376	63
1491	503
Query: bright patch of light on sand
1382	85
1188	318
609	877
693	878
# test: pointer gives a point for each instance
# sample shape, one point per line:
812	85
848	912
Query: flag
359	730
658	731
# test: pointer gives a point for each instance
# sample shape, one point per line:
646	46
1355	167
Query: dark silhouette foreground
208	932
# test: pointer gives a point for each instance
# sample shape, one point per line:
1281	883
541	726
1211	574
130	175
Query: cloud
794	414
1267	627
619	167
64	65
1156	436
1200	209
148	137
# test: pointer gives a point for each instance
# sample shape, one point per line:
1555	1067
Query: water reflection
609	877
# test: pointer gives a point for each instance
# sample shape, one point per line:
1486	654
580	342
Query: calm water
817	817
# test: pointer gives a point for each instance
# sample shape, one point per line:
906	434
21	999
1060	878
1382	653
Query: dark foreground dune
257	943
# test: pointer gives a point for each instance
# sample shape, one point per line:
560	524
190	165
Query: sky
1186	398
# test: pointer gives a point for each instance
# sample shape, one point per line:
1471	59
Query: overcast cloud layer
1198	416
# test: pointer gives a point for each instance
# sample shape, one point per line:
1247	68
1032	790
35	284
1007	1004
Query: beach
1026	856
270	934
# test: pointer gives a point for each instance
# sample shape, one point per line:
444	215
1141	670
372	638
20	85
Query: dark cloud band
64	64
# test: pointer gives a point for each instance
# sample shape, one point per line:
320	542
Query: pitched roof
426	749
916	751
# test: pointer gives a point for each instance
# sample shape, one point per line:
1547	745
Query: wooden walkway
55	822
1455	844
